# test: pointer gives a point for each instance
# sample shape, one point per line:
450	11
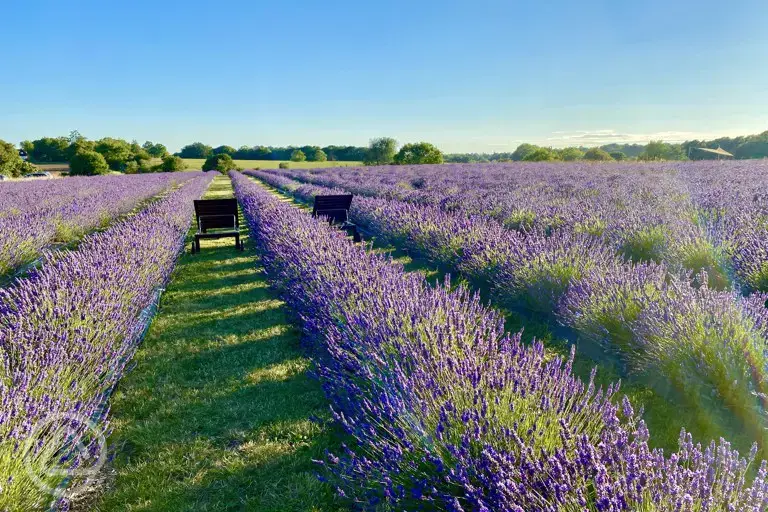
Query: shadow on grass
216	414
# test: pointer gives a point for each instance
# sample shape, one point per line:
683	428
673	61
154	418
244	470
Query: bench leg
352	230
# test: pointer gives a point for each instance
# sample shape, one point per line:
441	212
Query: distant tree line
742	147
293	153
380	151
108	153
745	147
87	157
655	150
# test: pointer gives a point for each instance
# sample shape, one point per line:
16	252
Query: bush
539	270
298	156
618	156
26	168
10	161
172	163
420	153
88	163
319	156
598	155
196	150
116	152
283	165
541	155
648	243
222	163
570	154
131	167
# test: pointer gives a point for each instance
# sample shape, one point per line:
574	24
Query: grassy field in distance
197	163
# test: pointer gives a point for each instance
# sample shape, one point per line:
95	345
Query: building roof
718	151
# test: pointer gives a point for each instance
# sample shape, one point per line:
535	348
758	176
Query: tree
522	151
10	161
117	152
318	156
571	154
597	155
630	150
298	156
541	155
138	153
419	153
196	150
155	150
221	163
172	163
618	156
28	146
49	149
224	150
74	136
78	145
131	167
752	149
381	151
88	163
660	150
345	153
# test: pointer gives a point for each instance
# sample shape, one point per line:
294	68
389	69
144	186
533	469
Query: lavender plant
642	209
67	332
447	412
577	278
36	214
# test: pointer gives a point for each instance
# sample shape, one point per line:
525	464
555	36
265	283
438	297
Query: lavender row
700	341
36	214
692	216
448	412
67	332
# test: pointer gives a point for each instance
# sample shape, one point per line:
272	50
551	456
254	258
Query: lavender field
68	329
659	269
646	286
37	214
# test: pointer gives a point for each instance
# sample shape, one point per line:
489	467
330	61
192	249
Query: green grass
197	163
216	414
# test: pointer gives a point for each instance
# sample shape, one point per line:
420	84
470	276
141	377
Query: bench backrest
335	207
216	213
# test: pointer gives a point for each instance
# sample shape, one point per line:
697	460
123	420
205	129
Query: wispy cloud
599	137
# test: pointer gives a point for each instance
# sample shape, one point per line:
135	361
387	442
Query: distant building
23	154
720	152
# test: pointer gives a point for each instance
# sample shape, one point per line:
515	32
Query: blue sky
468	76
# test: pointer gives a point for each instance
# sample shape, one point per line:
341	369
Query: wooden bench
219	215
336	208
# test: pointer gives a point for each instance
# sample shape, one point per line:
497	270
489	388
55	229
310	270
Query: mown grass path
216	414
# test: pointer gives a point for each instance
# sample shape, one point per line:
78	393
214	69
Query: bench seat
216	218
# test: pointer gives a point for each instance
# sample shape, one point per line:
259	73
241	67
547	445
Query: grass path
216	414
